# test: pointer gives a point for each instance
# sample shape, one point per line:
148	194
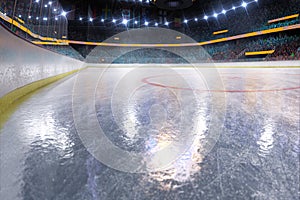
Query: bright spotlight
37	18
125	21
80	18
50	3
233	7
146	23
156	24
45	19
46	6
20	16
224	11
64	13
196	19
37	1
167	23
29	17
215	15
244	4
185	21
114	20
135	22
56	18
102	20
91	19
205	17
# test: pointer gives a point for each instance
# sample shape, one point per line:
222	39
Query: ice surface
255	156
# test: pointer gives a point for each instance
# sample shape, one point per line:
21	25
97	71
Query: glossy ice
255	156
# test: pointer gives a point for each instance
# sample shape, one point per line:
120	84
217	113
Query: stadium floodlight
135	22
45	18
29	17
102	20
64	13
46	5
20	16
37	18
185	21
91	19
224	11
146	23
80	18
196	19
244	4
167	23
54	9
233	7
36	1
125	21
256	0
114	20
50	3
156	24
56	18
205	17
215	15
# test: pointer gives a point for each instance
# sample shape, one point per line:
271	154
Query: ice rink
233	133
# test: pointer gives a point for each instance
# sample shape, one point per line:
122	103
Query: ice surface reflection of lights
48	134
266	140
188	164
129	125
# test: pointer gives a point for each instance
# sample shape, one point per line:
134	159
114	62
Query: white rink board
22	63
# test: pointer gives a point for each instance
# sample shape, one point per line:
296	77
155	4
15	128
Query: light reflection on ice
47	133
183	169
266	140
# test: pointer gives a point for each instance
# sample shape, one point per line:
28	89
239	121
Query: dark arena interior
149	99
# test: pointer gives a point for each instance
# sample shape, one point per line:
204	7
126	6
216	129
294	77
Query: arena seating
153	56
65	50
231	51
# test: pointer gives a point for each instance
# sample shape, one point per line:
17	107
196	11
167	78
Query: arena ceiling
177	5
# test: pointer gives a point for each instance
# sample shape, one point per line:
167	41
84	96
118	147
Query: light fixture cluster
223	12
48	5
146	23
166	23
